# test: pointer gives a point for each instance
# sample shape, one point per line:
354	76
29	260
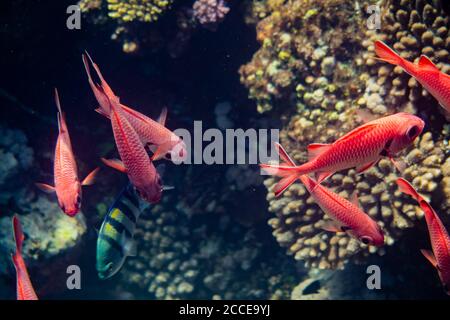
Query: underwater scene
225	150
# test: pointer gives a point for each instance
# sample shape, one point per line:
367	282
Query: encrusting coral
312	67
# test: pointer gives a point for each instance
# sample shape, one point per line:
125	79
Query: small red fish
25	289
347	216
360	148
135	161
152	133
439	238
426	72
67	184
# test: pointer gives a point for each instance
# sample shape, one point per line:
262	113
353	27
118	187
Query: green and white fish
115	239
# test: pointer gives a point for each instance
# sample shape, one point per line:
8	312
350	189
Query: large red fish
25	289
135	161
439	238
360	148
153	133
347	216
426	72
67	184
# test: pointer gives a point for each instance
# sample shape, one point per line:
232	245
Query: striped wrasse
115	239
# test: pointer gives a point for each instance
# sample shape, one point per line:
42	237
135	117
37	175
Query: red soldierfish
25	289
439	238
426	72
135	161
67	184
347	216
360	148
152	133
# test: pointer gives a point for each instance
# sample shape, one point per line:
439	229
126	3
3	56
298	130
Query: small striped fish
115	239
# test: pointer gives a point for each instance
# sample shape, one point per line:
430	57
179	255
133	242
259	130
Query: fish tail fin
102	91
407	188
386	54
287	170
309	182
61	116
18	236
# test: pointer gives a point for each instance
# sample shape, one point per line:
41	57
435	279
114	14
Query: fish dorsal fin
316	149
357	131
424	61
430	257
365	115
163	116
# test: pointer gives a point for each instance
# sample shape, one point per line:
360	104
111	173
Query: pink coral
210	12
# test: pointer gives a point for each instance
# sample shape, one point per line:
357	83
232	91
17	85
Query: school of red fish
136	135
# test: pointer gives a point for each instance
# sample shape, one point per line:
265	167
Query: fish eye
412	132
366	239
78	200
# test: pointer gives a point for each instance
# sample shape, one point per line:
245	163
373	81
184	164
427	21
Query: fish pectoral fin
400	165
167	188
102	112
158	154
430	257
365	167
354	198
45	187
323	175
90	178
163	116
115	164
424	61
129	246
315	149
333	226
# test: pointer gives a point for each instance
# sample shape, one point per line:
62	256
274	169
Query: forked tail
287	170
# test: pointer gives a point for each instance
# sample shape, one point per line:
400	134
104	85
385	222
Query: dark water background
39	53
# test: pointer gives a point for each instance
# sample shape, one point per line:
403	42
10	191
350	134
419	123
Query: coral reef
130	10
51	236
49	233
124	16
303	57
203	258
412	28
210	12
15	158
256	10
312	67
